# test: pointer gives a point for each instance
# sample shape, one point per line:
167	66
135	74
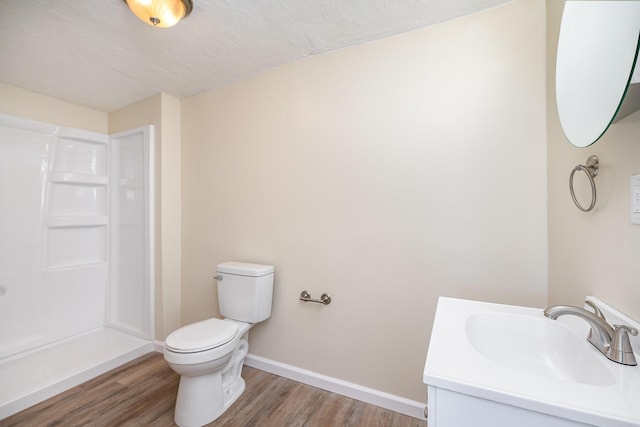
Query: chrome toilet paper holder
324	298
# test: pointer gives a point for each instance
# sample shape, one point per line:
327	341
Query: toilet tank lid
245	269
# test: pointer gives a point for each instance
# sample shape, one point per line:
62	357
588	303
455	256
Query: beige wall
34	106
171	214
595	253
385	174
162	111
142	113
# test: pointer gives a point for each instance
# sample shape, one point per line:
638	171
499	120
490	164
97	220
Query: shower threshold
36	375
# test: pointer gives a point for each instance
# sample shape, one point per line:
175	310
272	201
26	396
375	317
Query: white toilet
209	354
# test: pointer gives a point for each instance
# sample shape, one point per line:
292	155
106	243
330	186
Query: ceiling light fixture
160	13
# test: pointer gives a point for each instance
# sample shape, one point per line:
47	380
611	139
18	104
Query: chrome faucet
613	342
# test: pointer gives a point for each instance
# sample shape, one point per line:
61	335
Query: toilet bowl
209	369
209	355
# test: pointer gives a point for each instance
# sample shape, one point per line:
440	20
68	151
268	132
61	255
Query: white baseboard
392	402
158	346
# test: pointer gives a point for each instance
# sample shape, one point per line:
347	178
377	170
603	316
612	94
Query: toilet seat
201	336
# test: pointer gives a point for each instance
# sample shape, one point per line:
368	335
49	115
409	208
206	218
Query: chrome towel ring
591	170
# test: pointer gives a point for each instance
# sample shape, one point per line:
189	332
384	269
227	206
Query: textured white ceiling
97	53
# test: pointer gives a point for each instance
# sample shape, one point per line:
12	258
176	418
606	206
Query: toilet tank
245	291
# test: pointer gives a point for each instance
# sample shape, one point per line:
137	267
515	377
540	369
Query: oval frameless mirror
597	52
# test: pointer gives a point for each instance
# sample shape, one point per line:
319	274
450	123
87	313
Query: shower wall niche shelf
98	266
76	221
88	155
77	202
77	178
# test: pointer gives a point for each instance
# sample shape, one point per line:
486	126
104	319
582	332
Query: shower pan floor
39	374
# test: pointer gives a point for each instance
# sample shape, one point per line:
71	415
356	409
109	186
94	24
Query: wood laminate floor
143	392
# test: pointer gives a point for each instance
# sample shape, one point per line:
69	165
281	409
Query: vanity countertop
455	363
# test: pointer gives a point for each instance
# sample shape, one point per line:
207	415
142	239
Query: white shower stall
76	256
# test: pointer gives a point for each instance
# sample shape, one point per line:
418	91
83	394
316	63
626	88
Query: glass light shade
160	13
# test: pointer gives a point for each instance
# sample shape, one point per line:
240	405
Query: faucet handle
620	349
596	310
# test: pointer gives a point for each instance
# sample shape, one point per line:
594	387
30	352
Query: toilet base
195	409
202	399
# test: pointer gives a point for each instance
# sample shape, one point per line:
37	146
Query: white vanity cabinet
451	409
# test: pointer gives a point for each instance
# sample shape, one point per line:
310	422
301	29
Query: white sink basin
538	346
514	356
